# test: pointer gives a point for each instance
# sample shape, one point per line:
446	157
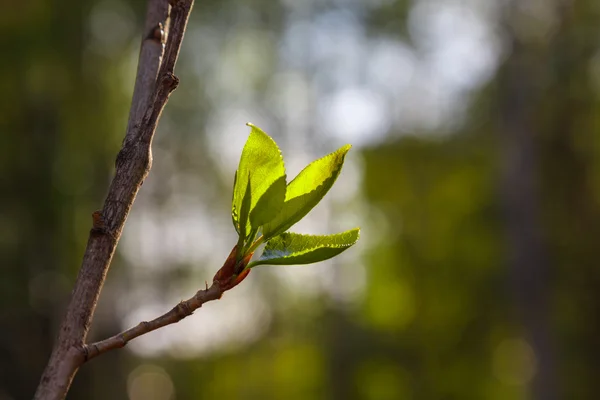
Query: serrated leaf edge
343	151
234	211
332	154
307	250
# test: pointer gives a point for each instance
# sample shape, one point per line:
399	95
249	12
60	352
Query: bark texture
154	83
176	314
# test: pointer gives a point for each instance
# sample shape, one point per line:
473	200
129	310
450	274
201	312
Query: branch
177	313
151	93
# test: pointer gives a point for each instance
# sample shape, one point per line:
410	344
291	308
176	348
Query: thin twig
133	163
176	314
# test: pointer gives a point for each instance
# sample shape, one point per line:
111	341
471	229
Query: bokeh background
475	176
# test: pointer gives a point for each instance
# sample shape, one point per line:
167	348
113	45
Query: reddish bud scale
232	272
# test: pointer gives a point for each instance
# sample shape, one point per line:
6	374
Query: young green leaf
261	160
244	213
269	204
235	217
294	248
306	190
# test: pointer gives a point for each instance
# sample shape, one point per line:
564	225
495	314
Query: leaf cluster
265	206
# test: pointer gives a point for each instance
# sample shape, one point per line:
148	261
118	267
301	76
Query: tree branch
177	313
132	166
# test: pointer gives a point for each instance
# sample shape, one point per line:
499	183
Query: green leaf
306	191
244	212
234	213
269	204
261	161
293	248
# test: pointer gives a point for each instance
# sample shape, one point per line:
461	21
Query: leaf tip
254	130
355	232
342	151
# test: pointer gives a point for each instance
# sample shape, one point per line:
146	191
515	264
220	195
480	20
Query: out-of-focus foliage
477	129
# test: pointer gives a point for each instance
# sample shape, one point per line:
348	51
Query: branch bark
176	314
155	81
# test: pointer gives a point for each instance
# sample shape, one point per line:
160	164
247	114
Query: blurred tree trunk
570	192
520	85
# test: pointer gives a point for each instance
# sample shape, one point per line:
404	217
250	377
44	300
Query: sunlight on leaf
269	204
294	248
245	210
306	190
261	160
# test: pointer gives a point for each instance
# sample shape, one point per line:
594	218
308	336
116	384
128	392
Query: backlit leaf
245	208
306	190
294	248
261	161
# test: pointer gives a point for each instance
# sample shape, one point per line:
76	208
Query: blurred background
475	177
